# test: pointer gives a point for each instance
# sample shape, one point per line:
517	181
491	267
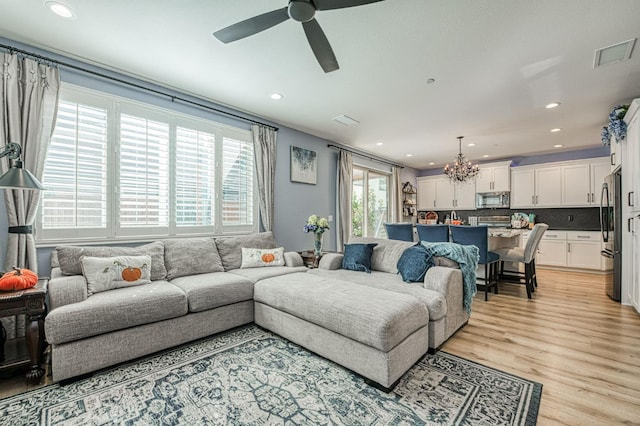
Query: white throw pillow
256	257
108	273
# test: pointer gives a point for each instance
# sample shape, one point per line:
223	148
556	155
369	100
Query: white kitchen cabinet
522	188
631	162
552	250
438	193
583	250
582	182
536	187
615	154
426	194
494	177
635	274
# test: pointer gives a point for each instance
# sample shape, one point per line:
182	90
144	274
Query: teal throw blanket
467	257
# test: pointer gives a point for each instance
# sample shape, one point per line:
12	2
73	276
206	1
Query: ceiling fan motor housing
301	10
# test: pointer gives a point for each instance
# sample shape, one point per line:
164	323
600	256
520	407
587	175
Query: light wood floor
583	347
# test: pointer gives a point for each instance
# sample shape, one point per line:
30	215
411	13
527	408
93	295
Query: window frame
115	106
365	202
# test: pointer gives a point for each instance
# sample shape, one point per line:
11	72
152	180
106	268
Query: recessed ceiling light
556	130
431	163
60	9
485	156
277	96
558	145
380	143
471	144
552	105
409	155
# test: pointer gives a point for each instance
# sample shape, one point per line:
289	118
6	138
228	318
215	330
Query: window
120	169
370	206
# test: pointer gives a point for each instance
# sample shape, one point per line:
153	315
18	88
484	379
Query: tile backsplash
579	219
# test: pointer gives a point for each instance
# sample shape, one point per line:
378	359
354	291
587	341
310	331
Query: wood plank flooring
583	347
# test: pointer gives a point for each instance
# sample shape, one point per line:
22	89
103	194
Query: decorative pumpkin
131	274
18	279
268	257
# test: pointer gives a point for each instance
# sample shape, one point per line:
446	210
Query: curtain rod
380	160
173	98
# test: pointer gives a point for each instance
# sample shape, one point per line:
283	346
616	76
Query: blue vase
317	244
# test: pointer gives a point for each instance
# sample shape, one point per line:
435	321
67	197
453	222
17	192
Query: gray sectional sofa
373	324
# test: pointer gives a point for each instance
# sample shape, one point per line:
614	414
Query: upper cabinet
494	177
631	166
438	193
563	184
581	183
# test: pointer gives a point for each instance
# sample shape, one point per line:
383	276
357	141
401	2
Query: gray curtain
29	107
264	149
344	198
396	195
28	110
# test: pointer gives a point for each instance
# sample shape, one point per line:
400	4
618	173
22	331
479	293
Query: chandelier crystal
462	170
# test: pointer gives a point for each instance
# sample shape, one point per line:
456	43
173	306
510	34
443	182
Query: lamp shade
18	177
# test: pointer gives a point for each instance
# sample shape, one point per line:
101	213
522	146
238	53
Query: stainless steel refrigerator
611	228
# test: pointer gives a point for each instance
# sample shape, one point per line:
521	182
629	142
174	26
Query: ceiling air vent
346	120
614	53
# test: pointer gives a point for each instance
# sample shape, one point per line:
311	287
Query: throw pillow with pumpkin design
256	258
108	273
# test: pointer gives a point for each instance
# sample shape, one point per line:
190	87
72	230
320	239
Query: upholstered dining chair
479	236
433	233
526	256
399	231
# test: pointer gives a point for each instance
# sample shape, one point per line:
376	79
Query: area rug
250	376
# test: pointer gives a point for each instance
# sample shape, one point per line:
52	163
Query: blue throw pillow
413	263
357	257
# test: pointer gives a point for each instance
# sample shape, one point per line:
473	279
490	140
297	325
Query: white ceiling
496	63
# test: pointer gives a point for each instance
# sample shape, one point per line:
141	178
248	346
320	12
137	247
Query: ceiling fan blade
320	46
252	26
340	4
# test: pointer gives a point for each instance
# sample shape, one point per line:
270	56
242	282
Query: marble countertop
506	232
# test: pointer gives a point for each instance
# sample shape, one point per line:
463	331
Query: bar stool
433	233
526	256
399	231
479	236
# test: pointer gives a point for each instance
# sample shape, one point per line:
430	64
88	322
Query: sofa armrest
65	289
292	258
448	282
331	261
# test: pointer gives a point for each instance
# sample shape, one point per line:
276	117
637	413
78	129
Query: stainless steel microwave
492	200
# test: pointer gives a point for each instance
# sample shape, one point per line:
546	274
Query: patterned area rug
250	376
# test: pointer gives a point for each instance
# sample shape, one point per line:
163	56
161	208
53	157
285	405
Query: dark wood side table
310	259
27	350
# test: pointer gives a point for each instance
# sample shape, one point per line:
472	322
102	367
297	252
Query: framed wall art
304	165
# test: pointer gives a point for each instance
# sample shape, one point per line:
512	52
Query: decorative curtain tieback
25	229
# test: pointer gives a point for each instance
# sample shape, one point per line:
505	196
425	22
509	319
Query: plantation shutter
75	174
143	176
195	178
237	184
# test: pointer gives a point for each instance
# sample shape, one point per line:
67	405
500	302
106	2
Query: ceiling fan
299	10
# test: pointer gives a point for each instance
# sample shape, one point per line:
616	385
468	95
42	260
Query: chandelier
462	170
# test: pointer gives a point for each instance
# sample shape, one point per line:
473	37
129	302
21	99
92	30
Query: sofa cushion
115	310
257	274
69	257
413	264
230	247
191	256
258	258
109	273
208	291
357	257
434	301
386	254
377	318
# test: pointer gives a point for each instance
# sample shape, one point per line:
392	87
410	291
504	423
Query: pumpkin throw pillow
108	273
256	257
